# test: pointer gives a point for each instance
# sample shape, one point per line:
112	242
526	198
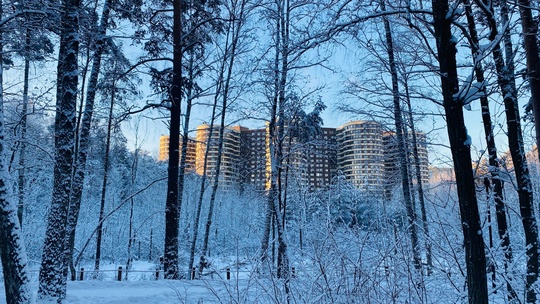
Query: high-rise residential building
190	156
163	148
357	150
322	159
230	155
360	154
253	157
311	164
392	167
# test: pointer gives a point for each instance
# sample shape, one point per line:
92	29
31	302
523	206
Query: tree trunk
404	166
475	257
52	276
283	259
529	28
131	240
231	56
492	154
419	184
174	194
203	178
272	173
79	170
106	167
24	119
12	248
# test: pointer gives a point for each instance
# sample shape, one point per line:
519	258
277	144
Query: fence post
157	274
81	274
228	273
193	273
119	273
293	272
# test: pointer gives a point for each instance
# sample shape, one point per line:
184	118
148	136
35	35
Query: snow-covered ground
143	288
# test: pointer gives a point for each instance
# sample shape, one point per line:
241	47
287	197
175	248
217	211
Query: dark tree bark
529	28
84	138
493	160
106	167
506	81
12	250
173	204
24	119
475	256
404	165
52	277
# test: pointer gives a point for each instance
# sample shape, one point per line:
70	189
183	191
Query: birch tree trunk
272	174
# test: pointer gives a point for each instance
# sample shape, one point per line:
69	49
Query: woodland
76	192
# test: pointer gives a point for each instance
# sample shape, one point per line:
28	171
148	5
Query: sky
343	63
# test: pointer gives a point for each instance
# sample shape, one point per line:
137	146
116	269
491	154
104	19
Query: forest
78	190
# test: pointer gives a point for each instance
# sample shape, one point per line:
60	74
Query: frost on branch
470	91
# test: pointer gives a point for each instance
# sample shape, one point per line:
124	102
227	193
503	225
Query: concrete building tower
230	158
360	154
392	171
190	156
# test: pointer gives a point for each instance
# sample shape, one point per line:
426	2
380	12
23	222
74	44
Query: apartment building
322	160
392	167
190	156
358	150
360	154
230	156
254	157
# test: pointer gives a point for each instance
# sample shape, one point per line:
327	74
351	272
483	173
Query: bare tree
529	28
12	248
494	166
404	166
475	257
52	276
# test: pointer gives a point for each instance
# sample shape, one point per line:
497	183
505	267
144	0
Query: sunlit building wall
190	156
230	156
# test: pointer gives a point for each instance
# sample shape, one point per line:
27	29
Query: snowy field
143	288
164	291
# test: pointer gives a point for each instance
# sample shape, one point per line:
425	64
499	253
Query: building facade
392	167
230	155
358	151
360	154
190	156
